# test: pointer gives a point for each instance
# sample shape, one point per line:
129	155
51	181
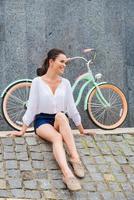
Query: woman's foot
78	167
72	183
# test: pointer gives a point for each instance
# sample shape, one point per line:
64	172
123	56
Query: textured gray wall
29	28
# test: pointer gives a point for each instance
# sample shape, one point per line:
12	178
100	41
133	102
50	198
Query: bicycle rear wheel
112	116
14	104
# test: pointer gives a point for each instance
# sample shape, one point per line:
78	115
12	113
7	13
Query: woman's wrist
24	128
22	132
81	129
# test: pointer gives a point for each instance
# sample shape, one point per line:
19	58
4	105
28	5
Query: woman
50	102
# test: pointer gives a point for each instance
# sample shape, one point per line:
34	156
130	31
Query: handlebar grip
88	50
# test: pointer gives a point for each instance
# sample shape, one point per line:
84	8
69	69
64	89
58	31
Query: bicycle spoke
17	99
97	110
95	105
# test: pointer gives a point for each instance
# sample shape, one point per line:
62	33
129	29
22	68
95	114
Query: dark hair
52	54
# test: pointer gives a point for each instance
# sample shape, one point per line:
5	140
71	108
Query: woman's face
59	64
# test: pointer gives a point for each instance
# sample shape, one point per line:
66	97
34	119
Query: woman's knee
61	117
57	138
49	133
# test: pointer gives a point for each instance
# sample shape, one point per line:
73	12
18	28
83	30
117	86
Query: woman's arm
81	129
20	133
32	104
72	109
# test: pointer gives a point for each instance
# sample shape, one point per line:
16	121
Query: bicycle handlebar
80	57
77	57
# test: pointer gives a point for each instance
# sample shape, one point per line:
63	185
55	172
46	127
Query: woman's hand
16	133
19	133
85	132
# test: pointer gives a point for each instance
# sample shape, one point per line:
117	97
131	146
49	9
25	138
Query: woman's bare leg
49	133
62	125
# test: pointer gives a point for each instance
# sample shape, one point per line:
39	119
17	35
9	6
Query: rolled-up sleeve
71	106
31	105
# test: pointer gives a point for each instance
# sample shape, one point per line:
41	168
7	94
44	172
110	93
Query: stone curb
76	132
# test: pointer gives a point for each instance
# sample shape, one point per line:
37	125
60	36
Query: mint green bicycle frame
89	81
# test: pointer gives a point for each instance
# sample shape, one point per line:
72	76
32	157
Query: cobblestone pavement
28	169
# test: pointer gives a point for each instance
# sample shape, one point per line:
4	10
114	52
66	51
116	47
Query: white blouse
42	100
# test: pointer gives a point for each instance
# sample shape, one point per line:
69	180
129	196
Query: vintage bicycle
105	103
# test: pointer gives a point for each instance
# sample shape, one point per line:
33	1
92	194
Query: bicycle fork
100	97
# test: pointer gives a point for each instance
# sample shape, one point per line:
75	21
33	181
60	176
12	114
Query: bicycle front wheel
14	104
108	117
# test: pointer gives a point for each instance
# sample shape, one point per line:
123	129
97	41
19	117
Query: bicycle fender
13	83
89	92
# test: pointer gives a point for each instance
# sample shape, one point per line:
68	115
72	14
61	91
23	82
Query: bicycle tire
112	117
13	104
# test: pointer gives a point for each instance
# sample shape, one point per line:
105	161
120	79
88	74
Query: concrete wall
29	28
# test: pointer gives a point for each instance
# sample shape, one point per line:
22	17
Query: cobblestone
55	174
131	177
22	156
96	176
36	148
27	175
32	194
5	193
49	195
101	186
100	160
41	174
130	195
31	140
108	195
120	177
36	156
28	169
8	149
13	173
126	186
14	183
9	156
58	184
128	169
38	164
119	196
45	184
2	184
2	173
116	168
11	164
31	184
90	186
19	140
1	165
25	165
130	159
114	186
7	141
104	168
18	193
20	148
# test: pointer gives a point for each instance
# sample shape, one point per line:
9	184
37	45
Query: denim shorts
44	118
